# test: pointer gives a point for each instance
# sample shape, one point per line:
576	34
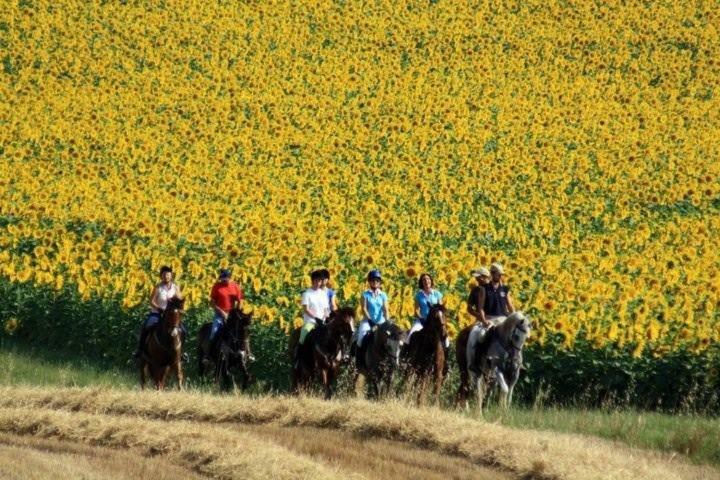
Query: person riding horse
315	303
224	296
426	297
165	290
374	303
492	305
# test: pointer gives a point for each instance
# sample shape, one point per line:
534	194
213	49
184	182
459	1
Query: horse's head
518	329
436	320
237	328
172	316
341	324
391	338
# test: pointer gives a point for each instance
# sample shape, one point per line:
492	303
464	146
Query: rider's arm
510	306
385	310
153	298
417	308
178	293
363	303
333	304
479	307
219	310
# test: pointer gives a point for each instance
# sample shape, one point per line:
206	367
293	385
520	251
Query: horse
323	351
424	355
497	361
381	357
228	352
162	349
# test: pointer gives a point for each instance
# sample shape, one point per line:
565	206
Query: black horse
380	357
228	352
322	352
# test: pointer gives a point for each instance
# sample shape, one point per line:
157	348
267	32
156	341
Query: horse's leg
503	387
480	391
324	379
423	378
439	377
142	375
179	374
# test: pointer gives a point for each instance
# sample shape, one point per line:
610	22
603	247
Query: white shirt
317	302
165	293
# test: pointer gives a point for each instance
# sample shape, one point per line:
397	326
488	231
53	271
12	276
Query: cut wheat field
284	437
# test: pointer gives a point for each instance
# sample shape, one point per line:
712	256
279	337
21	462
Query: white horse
498	359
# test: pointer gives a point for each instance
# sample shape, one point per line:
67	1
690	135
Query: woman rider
374	303
163	291
425	298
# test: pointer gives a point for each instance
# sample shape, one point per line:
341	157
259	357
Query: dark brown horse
162	350
381	352
322	352
229	352
424	356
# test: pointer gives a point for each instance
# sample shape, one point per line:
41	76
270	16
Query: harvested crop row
536	454
210	450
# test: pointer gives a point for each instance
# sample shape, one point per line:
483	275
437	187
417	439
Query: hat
374	275
480	272
496	267
165	269
225	273
325	273
316	275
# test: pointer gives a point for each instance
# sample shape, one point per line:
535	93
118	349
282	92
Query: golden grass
31	458
373	457
208	449
530	454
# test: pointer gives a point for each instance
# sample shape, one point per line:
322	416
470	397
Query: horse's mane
504	330
343	312
175	303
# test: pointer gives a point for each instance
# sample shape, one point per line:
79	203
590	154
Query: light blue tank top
375	306
427	301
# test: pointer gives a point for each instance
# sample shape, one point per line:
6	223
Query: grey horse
498	359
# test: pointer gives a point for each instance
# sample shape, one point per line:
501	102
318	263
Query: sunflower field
574	142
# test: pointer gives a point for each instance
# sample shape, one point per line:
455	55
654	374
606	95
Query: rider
425	298
224	296
332	299
476	300
494	297
316	306
163	291
374	304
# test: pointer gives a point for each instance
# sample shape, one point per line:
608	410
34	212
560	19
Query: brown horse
162	350
424	356
229	353
322	352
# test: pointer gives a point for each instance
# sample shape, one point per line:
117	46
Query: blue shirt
375	305
427	301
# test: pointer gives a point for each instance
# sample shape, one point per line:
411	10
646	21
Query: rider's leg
151	320
217	324
363	329
416	327
476	335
